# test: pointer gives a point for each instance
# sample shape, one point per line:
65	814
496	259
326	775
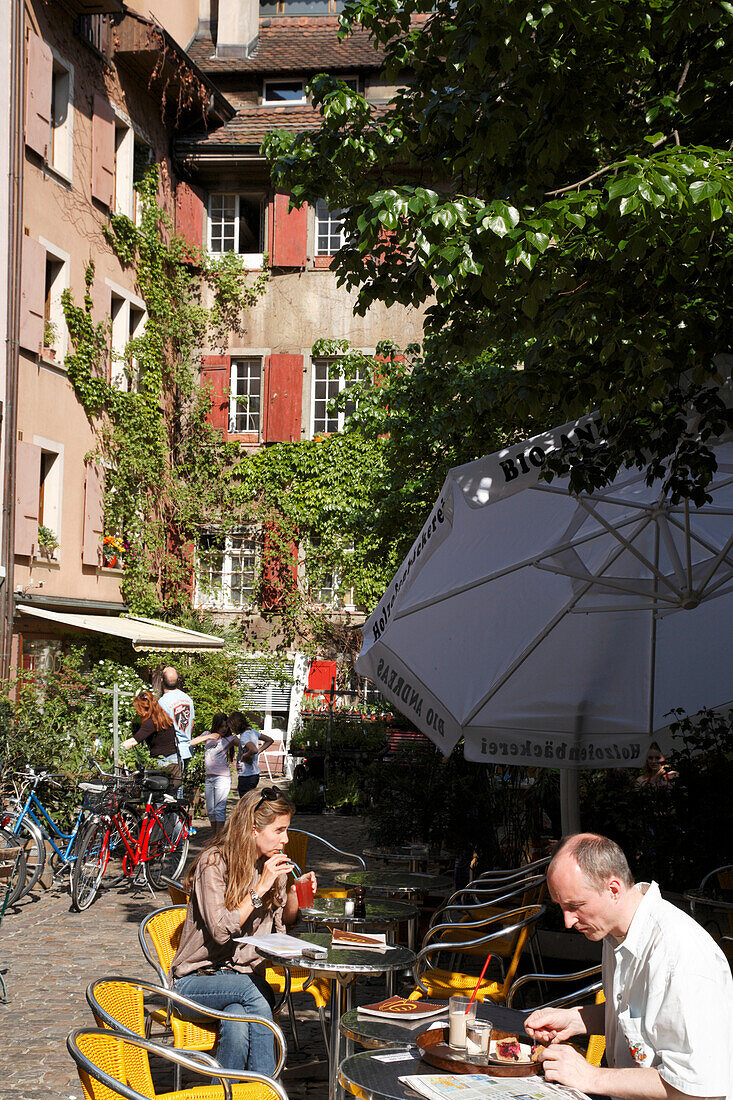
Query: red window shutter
32	294
283	398
91	552
27	491
103	151
289	233
320	675
39	78
216	374
190	214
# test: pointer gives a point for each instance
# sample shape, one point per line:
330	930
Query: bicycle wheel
90	865
133	819
167	847
30	837
7	840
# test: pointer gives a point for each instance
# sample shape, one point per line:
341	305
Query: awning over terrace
145	634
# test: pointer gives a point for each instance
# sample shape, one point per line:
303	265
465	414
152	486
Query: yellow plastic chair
118	1003
483	936
111	1065
159	936
467	905
596	1043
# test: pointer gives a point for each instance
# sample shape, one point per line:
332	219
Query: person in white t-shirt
217	758
180	708
668	1016
251	743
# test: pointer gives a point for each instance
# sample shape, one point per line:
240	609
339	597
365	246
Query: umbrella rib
623	502
717	561
599	580
706	544
459	589
544	633
614	532
663	525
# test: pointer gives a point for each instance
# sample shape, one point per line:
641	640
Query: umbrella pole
569	801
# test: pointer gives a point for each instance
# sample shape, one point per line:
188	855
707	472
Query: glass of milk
458	1019
478	1036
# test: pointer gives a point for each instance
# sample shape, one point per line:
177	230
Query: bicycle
158	851
23	824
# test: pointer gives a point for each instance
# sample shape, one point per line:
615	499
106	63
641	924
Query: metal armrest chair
178	892
596	1043
512	927
297	848
111	1064
526	870
487	901
118	1003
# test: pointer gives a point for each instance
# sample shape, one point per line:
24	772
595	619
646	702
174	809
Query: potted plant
50	334
47	542
113	549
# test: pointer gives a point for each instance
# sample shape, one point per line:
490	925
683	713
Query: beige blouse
207	939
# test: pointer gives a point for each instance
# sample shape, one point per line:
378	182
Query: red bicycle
152	845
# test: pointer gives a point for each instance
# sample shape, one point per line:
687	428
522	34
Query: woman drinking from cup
238	888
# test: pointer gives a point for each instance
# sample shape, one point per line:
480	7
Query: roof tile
252	123
304	44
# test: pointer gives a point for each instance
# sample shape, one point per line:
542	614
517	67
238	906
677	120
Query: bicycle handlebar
40	777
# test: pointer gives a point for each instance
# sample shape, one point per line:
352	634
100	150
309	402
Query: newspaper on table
479	1086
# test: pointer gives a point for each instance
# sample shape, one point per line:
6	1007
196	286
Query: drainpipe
12	344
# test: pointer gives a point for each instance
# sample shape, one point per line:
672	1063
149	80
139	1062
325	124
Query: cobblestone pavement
49	954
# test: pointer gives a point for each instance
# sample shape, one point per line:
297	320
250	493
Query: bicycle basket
99	798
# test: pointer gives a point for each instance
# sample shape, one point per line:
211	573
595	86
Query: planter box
570	946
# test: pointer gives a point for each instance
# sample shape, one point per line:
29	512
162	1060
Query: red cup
304	892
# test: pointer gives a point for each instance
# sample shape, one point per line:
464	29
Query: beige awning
145	634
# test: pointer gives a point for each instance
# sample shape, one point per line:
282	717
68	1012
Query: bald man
180	708
668	1016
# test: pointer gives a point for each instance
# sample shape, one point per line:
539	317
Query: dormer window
284	91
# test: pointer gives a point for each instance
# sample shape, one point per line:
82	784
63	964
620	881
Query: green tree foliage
554	180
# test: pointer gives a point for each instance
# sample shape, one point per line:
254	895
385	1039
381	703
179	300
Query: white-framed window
328	381
133	157
245	396
330	234
227	563
60	145
284	91
55	334
51	484
328	589
128	315
237	224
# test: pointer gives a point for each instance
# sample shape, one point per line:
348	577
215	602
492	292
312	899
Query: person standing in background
179	707
251	743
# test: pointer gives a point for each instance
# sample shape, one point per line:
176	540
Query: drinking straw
478	983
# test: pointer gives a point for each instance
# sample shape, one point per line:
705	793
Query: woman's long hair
147	706
236	846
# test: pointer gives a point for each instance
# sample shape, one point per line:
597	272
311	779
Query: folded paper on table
278	943
341	938
479	1086
402	1009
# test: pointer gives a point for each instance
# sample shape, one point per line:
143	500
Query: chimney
237	27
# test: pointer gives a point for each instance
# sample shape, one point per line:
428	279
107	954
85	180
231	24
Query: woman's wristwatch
256	900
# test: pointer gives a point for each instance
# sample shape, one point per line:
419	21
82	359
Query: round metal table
396	882
342	965
364	1075
375	1033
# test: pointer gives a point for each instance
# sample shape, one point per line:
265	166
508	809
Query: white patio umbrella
555	629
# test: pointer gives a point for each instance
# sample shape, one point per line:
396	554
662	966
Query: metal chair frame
453	947
567	998
526	869
328	844
490	896
199	1063
174	998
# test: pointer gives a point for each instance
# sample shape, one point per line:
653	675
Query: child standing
217	760
251	743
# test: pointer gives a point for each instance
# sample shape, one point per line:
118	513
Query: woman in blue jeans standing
238	888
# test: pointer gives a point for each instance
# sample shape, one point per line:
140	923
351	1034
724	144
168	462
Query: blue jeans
240	1046
246	783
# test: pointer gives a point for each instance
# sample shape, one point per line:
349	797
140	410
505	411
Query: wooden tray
434	1049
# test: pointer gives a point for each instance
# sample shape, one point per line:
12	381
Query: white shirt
669	1000
180	708
248	767
215	756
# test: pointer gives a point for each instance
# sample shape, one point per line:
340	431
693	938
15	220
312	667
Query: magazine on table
341	938
402	1010
479	1086
279	943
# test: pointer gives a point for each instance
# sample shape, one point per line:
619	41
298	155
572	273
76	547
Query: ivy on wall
169	475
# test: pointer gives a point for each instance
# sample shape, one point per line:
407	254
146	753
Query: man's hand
565	1065
554	1025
